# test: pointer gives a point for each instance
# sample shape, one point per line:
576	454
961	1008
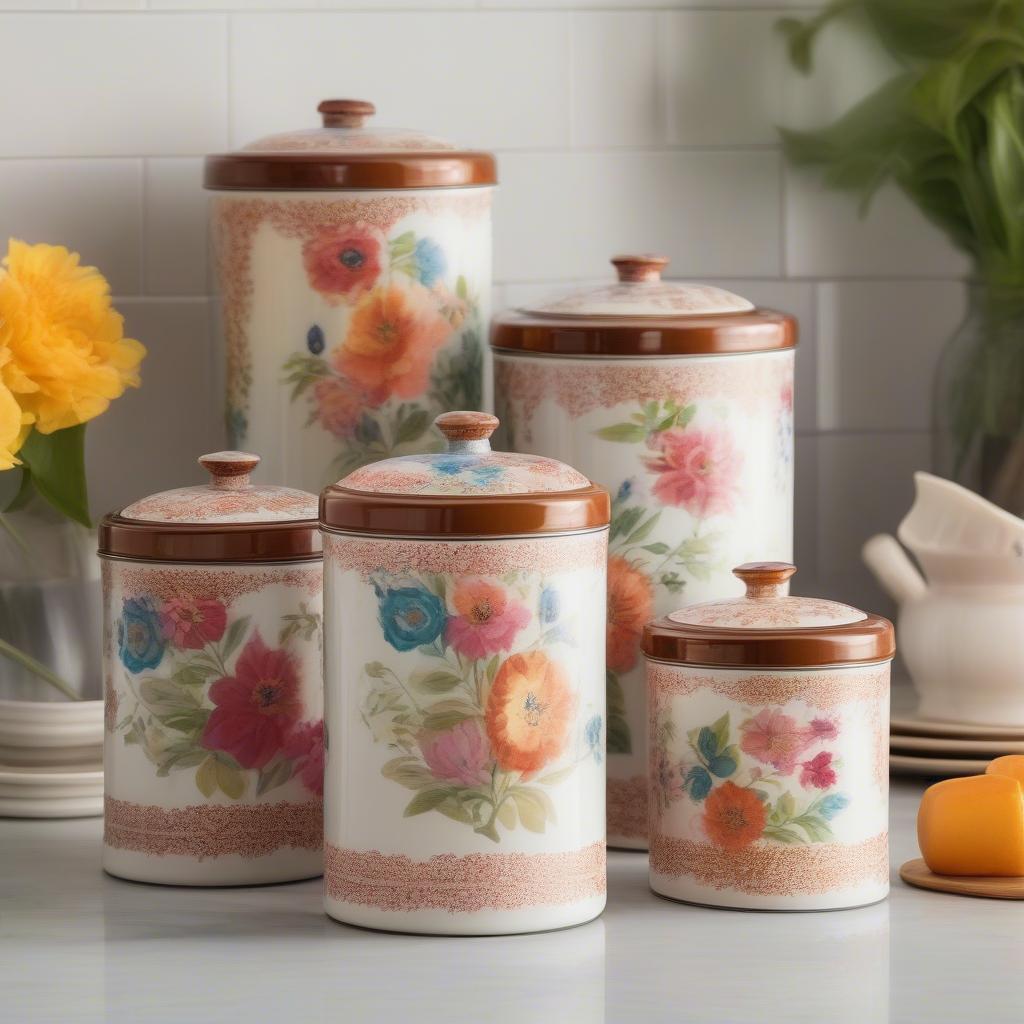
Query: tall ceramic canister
464	668
213	750
769	741
679	399
354	271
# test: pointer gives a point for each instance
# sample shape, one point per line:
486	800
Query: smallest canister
213	750
769	769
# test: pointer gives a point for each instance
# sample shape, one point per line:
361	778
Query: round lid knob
465	426
229	471
765	581
345	113
639	268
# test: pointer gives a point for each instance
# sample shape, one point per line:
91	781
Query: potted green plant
948	129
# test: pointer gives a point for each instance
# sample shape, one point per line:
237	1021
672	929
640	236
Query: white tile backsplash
615	102
118	84
619	124
491	79
724	72
92	206
878	346
149	439
176	250
562	215
827	236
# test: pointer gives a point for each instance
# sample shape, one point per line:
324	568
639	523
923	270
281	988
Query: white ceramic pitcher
961	625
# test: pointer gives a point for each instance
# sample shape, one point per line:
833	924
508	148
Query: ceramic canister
465	708
213	750
679	399
769	733
354	269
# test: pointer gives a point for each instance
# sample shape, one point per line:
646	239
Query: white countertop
76	945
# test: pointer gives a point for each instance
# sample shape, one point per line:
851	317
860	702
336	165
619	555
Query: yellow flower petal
68	357
14	427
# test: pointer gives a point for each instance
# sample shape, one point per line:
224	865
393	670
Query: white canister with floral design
213	752
769	734
679	399
464	661
354	268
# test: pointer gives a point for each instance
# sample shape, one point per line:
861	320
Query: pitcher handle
885	557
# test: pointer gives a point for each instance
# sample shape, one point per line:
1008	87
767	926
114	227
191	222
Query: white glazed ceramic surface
960	628
465	712
351	319
44	733
698	455
214	735
769	789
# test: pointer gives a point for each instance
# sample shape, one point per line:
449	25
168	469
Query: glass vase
979	398
50	604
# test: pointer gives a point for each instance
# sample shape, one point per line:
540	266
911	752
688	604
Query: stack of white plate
923	747
51	759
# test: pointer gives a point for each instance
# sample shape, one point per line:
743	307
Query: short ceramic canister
679	399
465	708
213	749
353	264
769	731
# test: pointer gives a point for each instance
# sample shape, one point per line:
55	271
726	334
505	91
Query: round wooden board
915	872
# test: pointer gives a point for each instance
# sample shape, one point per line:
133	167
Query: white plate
910	723
940	746
935	767
51	733
51	792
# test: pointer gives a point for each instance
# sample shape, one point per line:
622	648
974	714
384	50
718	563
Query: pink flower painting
697	469
459	754
344	261
818	771
774	738
257	707
305	748
193	622
488	619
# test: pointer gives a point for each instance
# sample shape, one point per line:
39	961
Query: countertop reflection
76	945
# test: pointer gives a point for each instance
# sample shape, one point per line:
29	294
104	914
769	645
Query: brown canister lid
228	519
347	153
642	315
468	490
765	628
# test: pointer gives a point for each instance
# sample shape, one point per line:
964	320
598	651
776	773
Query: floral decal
224	703
494	722
409	345
692	467
773	780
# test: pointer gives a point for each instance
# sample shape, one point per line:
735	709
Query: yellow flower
14	422
63	353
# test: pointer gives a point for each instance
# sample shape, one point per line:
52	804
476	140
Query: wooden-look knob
229	470
466	426
640	268
345	113
765	580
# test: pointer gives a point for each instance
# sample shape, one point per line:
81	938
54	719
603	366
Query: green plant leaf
230	779
273	775
643	531
626	433
721	730
426	800
435	682
57	464
193	674
534	808
233	637
23	494
407	771
507	814
206	777
657	548
412	427
164	696
619	740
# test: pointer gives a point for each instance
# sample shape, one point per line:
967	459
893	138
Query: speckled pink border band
463	885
